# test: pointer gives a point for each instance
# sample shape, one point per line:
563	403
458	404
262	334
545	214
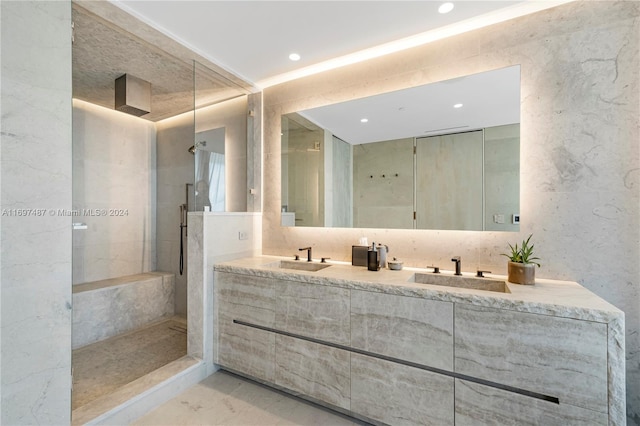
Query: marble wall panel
388	199
559	357
416	330
36	170
107	311
175	168
254	153
315	311
400	395
478	404
449	181
319	371
580	185
196	292
114	170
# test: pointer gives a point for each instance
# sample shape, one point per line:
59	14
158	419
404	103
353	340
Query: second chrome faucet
308	249
458	264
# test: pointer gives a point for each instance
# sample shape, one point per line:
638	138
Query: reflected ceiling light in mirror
457	105
408	112
445	7
294	57
364	120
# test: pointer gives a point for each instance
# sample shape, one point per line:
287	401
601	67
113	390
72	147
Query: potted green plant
522	263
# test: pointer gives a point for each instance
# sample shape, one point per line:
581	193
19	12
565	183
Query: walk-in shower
147	173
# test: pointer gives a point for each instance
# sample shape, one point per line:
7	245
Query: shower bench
105	308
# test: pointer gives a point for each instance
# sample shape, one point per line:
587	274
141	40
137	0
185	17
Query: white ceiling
253	39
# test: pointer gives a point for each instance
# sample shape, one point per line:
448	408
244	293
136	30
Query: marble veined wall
387	199
35	323
114	193
175	169
579	152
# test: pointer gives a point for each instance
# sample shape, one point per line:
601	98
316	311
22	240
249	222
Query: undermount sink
474	283
298	265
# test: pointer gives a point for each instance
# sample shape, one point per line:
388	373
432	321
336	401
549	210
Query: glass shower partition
220	142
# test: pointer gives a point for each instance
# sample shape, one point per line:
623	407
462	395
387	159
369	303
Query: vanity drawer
312	310
246	298
318	371
478	405
407	328
397	394
244	349
559	357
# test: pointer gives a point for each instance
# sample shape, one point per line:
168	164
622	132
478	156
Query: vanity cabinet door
317	371
559	357
407	328
241	348
397	394
478	405
313	310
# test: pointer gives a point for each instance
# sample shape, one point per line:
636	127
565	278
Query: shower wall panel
35	260
175	168
114	194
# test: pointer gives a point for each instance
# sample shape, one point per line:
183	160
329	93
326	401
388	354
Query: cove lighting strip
511	12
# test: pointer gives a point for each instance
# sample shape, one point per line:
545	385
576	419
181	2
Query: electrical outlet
243	235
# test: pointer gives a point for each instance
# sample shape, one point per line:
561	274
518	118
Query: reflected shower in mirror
210	170
444	155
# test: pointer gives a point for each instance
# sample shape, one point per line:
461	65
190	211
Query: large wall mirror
445	155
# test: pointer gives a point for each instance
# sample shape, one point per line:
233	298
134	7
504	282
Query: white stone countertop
549	297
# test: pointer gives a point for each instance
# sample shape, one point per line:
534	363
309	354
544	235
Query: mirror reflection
444	155
210	170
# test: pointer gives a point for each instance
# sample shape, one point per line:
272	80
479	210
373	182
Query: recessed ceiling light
364	120
294	57
445	7
457	106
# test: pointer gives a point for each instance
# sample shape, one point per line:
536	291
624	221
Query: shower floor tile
102	367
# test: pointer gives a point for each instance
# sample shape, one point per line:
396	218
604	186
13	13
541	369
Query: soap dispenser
383	250
373	262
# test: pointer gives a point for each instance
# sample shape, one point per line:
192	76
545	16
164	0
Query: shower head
193	148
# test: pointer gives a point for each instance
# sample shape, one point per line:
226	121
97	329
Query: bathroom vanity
413	348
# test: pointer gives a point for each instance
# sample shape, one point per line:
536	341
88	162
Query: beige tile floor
102	367
226	399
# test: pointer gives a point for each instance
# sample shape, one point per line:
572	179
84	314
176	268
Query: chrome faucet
458	264
308	249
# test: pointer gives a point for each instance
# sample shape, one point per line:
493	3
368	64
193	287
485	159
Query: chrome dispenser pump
373	261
